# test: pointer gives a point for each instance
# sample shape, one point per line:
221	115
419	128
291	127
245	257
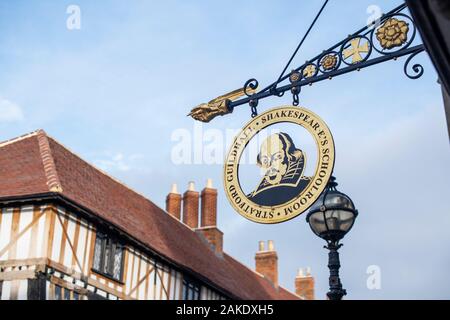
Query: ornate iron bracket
388	39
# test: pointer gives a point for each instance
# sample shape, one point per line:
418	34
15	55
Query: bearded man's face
273	159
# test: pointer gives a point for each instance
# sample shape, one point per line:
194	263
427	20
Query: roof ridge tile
51	174
22	137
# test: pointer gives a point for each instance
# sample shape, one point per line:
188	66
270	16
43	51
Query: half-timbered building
70	231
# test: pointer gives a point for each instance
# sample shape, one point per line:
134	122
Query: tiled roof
36	164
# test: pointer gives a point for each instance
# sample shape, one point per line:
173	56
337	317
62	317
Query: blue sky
115	91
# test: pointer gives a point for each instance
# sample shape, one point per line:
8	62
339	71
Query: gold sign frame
299	204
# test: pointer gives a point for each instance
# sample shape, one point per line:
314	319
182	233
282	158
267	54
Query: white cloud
9	111
118	162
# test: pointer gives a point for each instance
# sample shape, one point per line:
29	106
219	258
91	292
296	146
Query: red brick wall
190	208
173	205
267	264
209	207
304	287
214	236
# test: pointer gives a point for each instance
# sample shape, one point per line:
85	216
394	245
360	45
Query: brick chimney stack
209	205
173	202
190	206
266	262
208	226
304	284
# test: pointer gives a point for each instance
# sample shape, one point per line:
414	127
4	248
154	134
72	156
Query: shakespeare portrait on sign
283	164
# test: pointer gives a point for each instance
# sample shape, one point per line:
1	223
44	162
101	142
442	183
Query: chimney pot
174	189
209	184
270	246
191	186
261	246
308	271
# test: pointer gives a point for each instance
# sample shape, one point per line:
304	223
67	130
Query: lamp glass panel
317	223
339	220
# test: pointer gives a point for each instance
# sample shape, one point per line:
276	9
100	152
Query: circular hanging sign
283	190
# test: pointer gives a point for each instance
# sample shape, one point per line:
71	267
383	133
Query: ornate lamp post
330	218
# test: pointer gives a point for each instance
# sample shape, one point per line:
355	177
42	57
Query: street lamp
330	218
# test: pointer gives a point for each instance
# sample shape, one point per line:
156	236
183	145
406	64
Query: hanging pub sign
279	184
276	183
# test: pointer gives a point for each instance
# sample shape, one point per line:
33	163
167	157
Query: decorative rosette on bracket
329	61
392	33
395	32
